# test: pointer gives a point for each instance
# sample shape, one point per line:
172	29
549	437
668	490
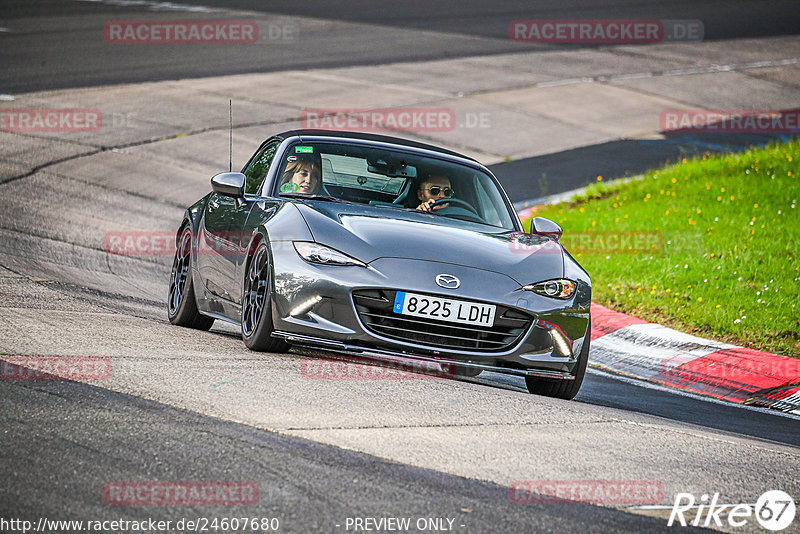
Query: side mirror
230	184
546	227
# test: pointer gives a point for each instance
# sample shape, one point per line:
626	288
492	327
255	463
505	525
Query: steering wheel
458	201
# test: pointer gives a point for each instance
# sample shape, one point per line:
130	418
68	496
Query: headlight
320	254
557	289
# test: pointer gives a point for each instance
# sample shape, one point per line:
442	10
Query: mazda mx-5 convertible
383	248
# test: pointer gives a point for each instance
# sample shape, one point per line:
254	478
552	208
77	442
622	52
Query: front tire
560	388
182	305
257	324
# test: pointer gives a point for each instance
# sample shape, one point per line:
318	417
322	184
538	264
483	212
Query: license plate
453	311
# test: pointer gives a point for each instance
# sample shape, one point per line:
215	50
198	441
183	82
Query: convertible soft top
371	137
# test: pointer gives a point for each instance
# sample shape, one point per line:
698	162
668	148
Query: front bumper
333	322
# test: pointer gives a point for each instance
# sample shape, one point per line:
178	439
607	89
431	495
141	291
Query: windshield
392	179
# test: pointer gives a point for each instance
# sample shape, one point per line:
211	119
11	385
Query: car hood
369	233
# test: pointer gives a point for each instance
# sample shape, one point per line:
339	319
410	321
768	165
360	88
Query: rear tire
560	388
257	324
182	305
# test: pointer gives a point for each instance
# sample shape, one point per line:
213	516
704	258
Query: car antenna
230	135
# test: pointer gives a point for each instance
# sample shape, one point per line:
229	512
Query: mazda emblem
448	281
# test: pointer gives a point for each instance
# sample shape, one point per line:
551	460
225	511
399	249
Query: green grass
723	260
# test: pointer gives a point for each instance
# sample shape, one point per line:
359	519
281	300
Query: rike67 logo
774	510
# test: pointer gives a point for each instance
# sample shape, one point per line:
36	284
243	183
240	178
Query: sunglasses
435	190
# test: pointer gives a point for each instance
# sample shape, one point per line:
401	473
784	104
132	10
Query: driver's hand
428	205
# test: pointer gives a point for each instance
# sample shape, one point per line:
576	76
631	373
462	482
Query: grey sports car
384	248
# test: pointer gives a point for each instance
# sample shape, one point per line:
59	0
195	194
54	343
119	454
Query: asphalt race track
54	45
190	406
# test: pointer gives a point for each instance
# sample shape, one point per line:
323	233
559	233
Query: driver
302	175
434	187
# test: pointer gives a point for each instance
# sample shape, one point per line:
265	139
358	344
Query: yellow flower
699	299
599	178
719	198
755	205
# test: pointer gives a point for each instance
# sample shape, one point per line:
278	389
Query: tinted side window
257	170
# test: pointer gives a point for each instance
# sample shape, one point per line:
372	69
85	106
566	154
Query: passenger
305	175
434	187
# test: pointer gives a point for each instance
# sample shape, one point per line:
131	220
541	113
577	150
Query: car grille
375	309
